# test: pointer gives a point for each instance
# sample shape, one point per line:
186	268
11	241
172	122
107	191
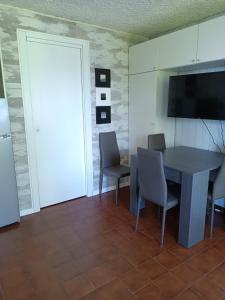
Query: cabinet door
164	124
142	108
211	42
178	48
143	57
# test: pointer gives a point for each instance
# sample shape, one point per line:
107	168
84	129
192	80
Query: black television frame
171	112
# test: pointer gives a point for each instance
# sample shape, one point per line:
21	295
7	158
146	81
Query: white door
211	42
58	127
178	48
142	109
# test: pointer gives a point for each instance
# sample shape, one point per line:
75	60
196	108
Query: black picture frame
103	114
102	78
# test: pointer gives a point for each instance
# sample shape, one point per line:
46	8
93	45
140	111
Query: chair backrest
156	142
152	179
109	151
219	184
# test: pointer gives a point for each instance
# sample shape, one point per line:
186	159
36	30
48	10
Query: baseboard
30	211
25	212
110	188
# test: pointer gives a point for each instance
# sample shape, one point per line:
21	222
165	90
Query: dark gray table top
192	160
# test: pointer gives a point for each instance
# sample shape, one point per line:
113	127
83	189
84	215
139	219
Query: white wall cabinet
178	48
211	40
148	109
164	124
143	57
142	108
196	44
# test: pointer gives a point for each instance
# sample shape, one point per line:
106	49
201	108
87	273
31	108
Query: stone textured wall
108	49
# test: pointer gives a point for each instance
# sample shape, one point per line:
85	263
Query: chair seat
117	171
172	201
173	195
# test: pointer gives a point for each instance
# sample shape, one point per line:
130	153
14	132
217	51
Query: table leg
194	192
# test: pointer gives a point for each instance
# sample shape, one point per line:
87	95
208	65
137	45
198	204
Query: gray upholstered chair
110	160
218	192
153	186
156	142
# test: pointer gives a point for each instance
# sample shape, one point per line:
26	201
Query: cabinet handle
193	60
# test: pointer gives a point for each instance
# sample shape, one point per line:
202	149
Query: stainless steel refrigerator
9	205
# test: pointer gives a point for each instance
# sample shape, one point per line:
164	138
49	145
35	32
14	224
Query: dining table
191	168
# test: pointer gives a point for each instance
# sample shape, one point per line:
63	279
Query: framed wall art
103	97
103	114
102	78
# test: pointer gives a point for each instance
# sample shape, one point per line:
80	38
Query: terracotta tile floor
87	249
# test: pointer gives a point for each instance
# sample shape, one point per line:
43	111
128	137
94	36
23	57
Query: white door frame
22	36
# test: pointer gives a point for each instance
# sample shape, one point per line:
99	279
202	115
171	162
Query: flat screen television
198	96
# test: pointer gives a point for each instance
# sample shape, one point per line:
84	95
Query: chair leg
100	183
138	213
163	227
212	220
117	190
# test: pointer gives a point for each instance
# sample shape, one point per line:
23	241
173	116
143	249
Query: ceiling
144	17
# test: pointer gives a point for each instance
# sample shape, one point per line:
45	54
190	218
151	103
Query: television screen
199	96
